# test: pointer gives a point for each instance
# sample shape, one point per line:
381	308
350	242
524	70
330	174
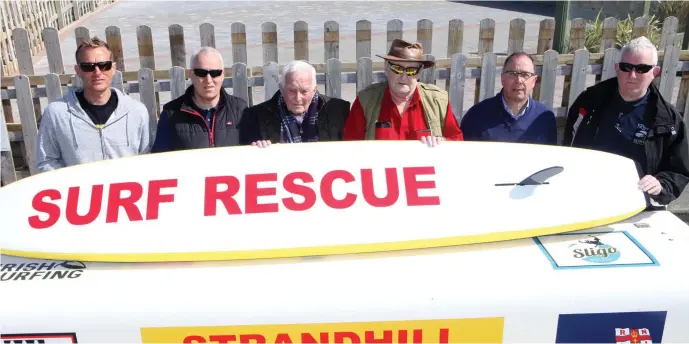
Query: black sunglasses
91	66
201	73
640	68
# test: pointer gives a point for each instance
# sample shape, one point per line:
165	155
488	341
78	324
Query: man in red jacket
402	108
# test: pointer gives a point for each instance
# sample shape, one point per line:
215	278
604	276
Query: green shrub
625	30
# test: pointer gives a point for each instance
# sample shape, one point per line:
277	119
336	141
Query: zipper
102	142
212	133
211	138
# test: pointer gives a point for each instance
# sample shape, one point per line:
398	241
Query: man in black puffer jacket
206	115
628	116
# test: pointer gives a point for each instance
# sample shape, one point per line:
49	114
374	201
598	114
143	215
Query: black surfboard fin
538	178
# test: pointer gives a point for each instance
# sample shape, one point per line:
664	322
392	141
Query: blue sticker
629	327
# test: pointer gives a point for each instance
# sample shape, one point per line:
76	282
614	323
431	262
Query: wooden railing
564	74
35	16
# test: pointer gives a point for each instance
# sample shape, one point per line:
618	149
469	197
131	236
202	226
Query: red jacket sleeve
355	126
451	129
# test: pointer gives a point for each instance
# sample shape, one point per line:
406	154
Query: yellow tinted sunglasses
397	69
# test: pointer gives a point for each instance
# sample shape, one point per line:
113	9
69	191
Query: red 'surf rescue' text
222	195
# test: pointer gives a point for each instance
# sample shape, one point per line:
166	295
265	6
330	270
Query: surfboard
295	200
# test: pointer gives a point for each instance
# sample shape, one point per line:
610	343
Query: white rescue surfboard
307	199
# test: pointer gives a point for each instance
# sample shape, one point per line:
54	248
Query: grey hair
295	66
205	50
640	44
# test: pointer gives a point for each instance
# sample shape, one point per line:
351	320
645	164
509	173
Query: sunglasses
397	69
201	73
640	68
91	66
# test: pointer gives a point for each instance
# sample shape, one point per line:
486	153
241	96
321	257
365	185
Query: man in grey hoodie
95	123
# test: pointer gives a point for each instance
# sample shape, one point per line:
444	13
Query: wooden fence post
331	40
364	73
394	31
488	65
178	52
52	49
669	71
455	40
81	34
240	83
428	74
147	95
238	43
27	118
270	42
178	82
577	41
301	40
515	42
424	35
207	35
53	88
609	34
546	33
640	27
333	78
117	81
22	46
548	78
145	42
486	37
611	57
363	39
114	39
457	77
579	68
271	79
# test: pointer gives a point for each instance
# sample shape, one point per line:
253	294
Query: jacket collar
662	116
188	100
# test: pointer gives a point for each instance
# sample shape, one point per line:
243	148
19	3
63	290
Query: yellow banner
480	330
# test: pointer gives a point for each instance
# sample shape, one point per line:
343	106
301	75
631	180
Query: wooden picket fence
35	16
457	70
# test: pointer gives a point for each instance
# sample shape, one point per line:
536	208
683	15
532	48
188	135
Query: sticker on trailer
594	250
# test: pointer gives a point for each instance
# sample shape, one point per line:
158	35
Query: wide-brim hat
404	51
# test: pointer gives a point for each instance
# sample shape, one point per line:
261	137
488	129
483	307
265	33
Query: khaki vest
433	99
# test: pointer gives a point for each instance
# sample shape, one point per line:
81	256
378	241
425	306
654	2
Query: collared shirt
392	125
507	108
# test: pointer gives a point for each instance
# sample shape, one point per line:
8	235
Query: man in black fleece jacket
628	116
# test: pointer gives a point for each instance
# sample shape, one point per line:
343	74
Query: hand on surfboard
261	143
432	141
650	185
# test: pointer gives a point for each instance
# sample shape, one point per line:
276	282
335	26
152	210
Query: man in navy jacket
512	115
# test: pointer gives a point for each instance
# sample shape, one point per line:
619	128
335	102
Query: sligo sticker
45	270
594	249
39	338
